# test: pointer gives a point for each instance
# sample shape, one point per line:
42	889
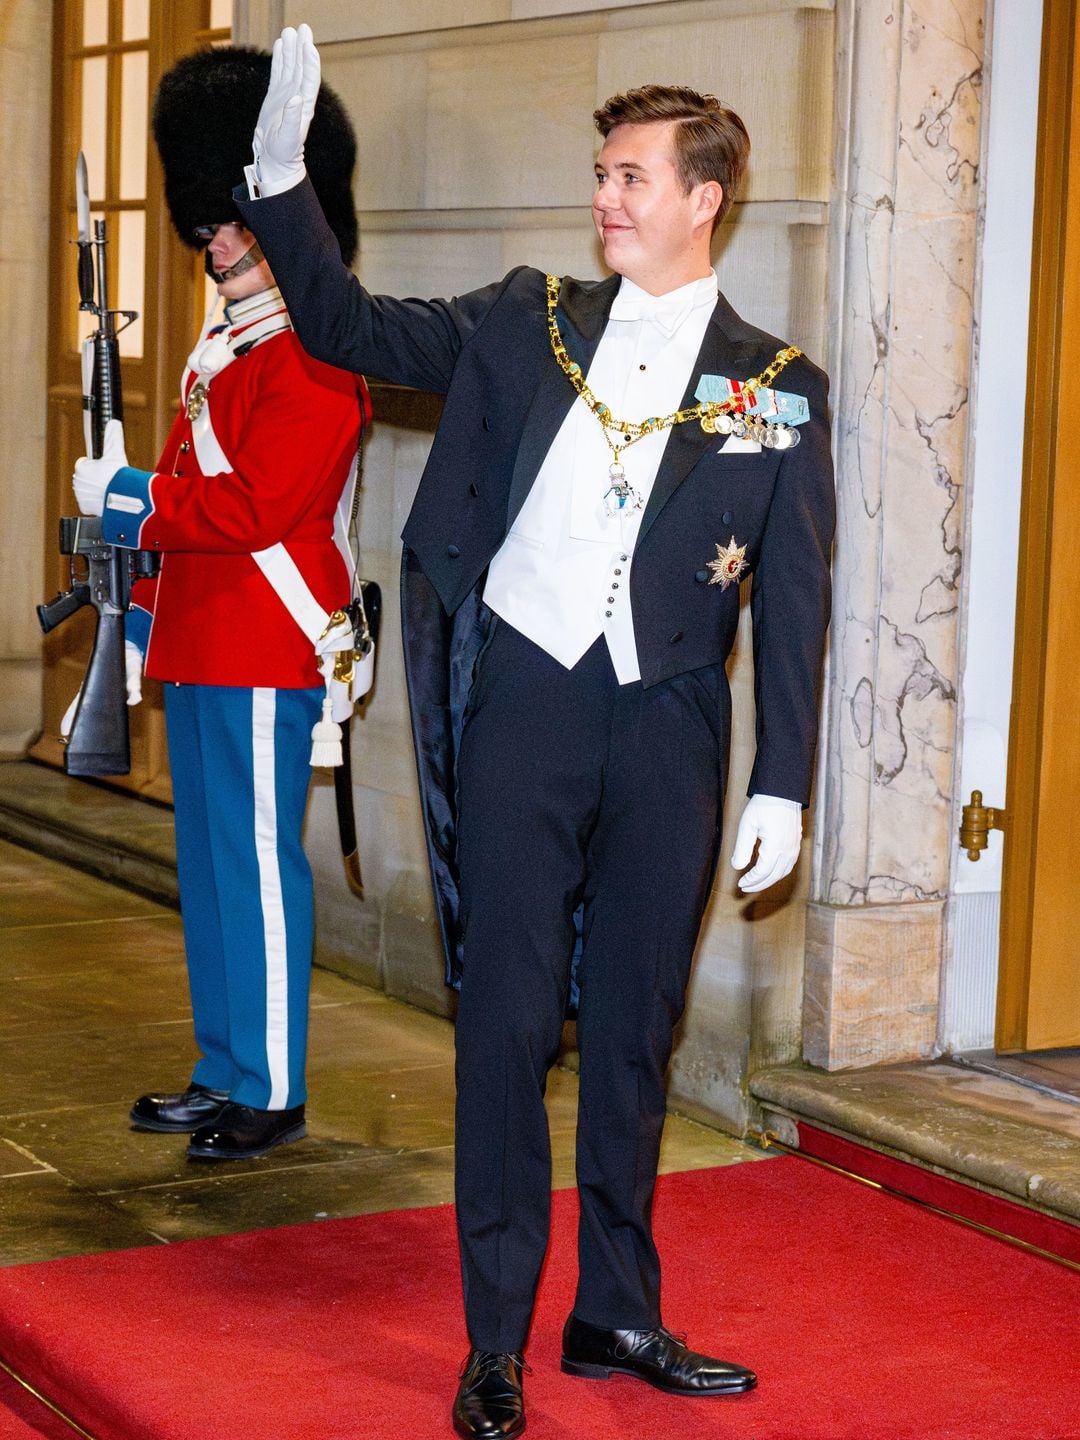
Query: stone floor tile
90	809
38	891
375	1038
278	1194
111	993
46	950
392	1109
16	1160
96	1148
45	1216
48	1071
94	1012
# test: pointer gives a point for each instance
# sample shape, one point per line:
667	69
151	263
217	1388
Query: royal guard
246	618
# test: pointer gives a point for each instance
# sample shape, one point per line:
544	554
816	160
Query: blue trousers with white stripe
240	771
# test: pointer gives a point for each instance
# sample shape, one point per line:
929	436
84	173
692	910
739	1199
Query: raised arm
410	342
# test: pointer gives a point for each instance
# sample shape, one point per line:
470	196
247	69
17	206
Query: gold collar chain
634	430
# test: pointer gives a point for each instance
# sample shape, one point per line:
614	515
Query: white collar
254	307
667	312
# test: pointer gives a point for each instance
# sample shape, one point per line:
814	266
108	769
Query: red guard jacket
289	427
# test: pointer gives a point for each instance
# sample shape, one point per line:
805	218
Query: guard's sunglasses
207	232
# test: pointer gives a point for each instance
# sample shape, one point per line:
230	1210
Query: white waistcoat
562	575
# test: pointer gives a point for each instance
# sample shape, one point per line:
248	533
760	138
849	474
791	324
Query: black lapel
723	351
582	314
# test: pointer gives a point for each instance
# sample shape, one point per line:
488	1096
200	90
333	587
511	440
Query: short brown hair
711	142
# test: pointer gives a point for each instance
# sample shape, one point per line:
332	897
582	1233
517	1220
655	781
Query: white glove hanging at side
282	126
341	695
775	826
92	477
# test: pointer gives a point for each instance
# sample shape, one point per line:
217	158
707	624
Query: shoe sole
296	1133
583	1371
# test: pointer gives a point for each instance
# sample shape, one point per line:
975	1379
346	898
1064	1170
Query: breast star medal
729	565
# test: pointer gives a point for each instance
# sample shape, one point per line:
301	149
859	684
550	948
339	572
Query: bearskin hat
204	117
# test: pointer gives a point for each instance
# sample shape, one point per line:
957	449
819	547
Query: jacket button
701	576
453	551
728	516
473	491
675	638
185	446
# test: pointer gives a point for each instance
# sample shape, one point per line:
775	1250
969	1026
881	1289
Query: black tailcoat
488	352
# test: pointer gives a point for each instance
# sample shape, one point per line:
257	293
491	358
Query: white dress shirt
562	575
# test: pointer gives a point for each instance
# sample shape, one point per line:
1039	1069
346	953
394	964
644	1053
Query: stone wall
905	235
25	47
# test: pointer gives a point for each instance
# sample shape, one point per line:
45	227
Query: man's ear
710	198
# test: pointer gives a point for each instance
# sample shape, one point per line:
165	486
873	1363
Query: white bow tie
666	312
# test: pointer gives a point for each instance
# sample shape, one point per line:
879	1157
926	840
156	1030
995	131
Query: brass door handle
976	822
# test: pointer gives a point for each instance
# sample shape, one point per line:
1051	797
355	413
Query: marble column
905	230
25	51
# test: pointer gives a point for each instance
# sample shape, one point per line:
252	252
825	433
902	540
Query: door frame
1054	326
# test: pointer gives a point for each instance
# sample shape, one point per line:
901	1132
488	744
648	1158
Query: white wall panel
347	20
386	95
774	69
509	124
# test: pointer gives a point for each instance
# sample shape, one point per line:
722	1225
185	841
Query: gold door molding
1039	977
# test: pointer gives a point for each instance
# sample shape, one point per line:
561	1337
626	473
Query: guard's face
646	222
228	246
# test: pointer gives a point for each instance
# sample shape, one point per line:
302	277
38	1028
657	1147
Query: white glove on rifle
92	477
133	663
282	126
775	826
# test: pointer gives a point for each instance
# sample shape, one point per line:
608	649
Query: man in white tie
612	459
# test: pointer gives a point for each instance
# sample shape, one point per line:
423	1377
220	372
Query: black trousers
574	790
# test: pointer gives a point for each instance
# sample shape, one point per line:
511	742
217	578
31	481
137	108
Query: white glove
133	663
775	826
282	126
92	477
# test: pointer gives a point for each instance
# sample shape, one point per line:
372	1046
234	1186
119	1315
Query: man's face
651	230
230	243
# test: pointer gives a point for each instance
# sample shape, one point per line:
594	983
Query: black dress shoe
655	1356
175	1114
489	1403
240	1133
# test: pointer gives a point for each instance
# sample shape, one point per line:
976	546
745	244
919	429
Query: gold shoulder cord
631	431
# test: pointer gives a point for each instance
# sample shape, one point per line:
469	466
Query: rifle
98	743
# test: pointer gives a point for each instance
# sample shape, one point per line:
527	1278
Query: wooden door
107	58
1039	973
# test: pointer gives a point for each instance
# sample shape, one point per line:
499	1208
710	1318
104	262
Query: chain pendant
620	497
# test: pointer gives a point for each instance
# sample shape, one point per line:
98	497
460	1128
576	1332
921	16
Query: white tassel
326	738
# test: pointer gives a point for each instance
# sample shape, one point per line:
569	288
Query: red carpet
1056	1237
22	1417
865	1317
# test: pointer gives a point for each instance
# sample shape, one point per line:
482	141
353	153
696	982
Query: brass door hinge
976	822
